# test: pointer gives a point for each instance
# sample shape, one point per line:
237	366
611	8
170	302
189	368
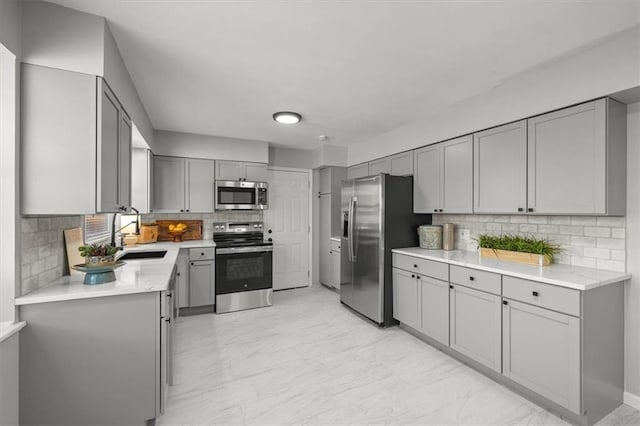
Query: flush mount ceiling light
287	117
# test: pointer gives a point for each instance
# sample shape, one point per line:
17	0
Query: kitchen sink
132	255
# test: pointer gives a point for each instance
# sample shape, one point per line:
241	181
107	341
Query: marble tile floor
309	360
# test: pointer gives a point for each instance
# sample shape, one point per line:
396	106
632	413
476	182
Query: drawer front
334	245
547	296
426	267
205	253
473	278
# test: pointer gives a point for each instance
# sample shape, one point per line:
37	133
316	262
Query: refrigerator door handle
352	235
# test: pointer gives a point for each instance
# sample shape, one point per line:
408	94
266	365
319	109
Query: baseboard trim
632	400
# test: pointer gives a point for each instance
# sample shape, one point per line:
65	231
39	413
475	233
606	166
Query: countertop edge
9	328
623	276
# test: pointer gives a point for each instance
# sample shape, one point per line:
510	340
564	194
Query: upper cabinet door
457	175
124	161
229	170
568	160
108	142
401	164
426	180
382	165
168	185
199	190
255	172
500	169
357	171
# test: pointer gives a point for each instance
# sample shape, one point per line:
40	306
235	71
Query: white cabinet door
357	171
229	170
168	184
382	165
124	161
476	325
255	172
405	297
402	164
201	276
434	308
199	187
426	180
335	259
457	175
108	141
500	169
326	261
541	351
567	160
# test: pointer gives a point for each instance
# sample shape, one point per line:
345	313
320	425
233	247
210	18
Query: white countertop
337	239
136	276
575	277
9	328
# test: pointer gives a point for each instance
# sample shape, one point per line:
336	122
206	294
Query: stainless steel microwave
239	195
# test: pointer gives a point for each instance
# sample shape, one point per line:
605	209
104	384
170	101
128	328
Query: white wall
203	146
290	157
58	37
603	69
117	75
632	289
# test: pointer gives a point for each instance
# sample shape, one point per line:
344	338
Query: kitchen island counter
575	277
136	276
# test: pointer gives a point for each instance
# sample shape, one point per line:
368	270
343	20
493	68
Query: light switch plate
465	234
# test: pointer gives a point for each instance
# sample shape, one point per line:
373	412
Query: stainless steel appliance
244	274
241	195
377	216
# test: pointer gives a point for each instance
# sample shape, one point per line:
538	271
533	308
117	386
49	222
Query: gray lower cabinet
182	278
92	361
201	277
434	308
541	351
405	297
475	325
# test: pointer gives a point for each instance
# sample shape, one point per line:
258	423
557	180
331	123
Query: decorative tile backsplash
590	241
43	250
208	218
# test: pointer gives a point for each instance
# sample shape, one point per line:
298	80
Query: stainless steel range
243	266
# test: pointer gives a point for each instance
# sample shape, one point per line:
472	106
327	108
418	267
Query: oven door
240	269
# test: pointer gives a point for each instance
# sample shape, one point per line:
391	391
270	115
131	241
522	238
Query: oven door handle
234	250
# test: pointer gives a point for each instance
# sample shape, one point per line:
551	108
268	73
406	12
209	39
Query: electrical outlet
465	234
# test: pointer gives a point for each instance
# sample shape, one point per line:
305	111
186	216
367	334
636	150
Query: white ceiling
352	69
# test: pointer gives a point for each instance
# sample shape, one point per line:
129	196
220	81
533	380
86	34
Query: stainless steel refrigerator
377	216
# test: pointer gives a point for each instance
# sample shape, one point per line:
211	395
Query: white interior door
288	219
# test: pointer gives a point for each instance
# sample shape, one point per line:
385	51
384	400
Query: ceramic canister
430	237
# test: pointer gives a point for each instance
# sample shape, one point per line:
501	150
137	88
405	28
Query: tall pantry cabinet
329	194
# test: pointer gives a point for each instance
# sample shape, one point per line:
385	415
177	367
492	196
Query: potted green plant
98	254
517	248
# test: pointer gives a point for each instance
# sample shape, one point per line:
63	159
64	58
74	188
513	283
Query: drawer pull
415	266
451	287
504	302
471	278
413	276
535	293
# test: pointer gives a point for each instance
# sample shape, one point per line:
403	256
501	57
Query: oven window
244	268
236	195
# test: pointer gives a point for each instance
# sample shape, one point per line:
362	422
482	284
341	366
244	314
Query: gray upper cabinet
357	171
240	170
577	160
183	185
443	179
500	169
142	179
426	180
77	114
397	165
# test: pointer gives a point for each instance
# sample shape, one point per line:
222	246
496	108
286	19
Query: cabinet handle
168	320
520	209
413	276
471	279
535	293
530	209
451	287
415	266
191	263
435	210
440	210
201	254
418	276
181	210
504	302
187	209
